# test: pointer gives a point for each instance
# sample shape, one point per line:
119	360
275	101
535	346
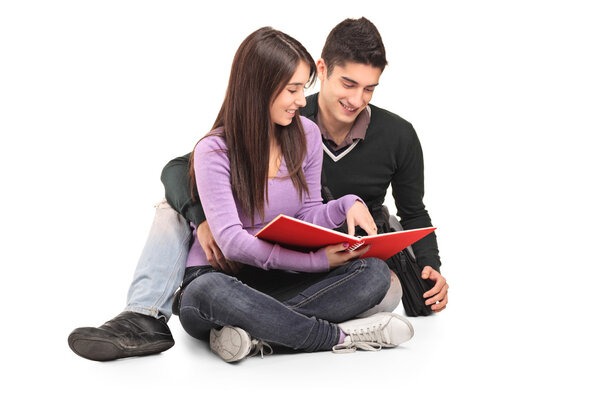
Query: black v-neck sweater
390	154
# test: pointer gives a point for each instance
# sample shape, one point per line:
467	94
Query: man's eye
346	85
369	90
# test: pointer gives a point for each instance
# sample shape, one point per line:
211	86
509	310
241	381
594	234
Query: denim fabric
391	300
305	321
161	266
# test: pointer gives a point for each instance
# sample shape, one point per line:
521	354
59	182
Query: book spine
355	246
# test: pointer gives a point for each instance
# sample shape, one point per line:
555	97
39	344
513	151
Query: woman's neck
274	158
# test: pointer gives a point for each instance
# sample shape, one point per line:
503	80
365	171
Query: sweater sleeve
175	177
408	189
212	169
333	213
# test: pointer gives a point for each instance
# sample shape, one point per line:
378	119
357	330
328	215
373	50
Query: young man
366	149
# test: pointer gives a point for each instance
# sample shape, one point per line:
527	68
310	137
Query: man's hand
213	252
359	215
438	294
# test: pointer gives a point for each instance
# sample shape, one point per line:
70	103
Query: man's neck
336	129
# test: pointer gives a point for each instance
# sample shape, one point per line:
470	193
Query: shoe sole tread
106	350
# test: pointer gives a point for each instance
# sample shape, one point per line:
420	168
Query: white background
95	97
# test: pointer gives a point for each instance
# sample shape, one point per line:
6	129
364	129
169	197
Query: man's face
347	90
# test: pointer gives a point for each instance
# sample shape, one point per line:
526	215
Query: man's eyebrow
356	83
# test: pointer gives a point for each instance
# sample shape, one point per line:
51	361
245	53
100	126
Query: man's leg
141	329
390	302
161	266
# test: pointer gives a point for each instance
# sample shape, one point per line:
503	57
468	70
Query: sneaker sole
104	350
230	343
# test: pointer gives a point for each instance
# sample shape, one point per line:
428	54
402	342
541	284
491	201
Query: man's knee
169	223
390	301
393	297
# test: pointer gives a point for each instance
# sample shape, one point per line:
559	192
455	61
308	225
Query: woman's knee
204	290
380	278
197	300
374	281
390	301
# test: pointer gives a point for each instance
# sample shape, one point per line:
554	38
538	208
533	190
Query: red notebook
304	236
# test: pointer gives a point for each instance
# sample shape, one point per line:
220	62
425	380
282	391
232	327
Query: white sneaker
374	332
234	344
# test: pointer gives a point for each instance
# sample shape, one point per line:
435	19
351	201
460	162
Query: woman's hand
338	256
359	215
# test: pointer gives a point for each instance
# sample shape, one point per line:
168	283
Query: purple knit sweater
231	227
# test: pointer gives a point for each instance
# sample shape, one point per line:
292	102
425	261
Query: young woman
260	160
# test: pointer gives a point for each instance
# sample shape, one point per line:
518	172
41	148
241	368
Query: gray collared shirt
357	132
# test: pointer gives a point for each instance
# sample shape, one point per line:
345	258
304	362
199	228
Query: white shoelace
370	339
258	346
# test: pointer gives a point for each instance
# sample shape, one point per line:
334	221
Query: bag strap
325	192
396	226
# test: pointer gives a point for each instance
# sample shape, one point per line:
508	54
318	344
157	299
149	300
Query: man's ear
321	69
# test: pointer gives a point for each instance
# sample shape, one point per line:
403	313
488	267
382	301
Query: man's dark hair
354	40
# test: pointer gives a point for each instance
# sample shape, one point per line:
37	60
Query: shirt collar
358	130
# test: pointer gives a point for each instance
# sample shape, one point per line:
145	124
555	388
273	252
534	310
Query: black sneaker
129	334
176	301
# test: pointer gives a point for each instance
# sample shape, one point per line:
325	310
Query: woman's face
291	98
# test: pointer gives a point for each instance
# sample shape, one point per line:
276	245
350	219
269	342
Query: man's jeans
305	322
161	266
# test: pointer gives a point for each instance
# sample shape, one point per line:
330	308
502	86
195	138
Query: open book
304	236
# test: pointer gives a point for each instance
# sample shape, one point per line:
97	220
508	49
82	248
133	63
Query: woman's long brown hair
262	67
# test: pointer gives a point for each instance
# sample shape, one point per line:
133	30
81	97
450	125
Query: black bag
413	286
404	264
